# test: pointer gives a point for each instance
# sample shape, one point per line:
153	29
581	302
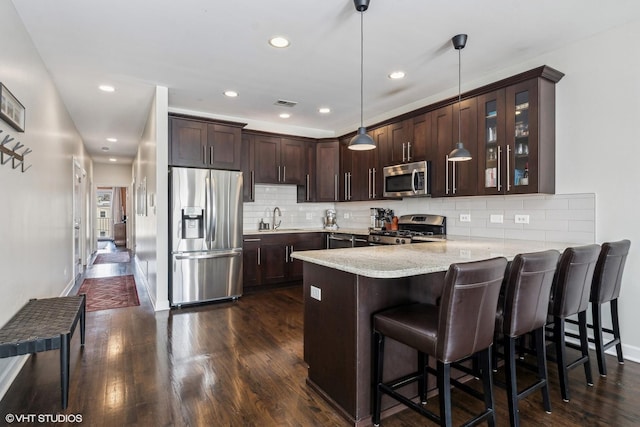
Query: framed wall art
11	110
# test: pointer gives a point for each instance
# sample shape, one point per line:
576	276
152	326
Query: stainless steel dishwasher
345	240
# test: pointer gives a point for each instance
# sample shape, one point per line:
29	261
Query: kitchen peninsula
343	287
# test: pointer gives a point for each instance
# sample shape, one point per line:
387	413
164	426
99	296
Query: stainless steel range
412	229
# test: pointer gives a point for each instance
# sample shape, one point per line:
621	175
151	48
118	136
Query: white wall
151	229
111	175
36	210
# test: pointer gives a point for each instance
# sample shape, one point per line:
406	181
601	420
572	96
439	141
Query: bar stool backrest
468	308
572	282
528	288
607	278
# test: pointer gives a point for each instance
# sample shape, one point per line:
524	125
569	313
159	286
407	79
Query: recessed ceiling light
112	139
396	75
279	42
105	148
230	93
324	110
107	88
285	115
112	159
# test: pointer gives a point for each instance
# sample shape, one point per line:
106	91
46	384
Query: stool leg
512	386
541	355
584	345
561	356
487	384
378	363
64	368
83	316
422	381
596	314
616	329
444	391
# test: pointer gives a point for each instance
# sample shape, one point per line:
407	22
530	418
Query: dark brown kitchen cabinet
267	258
205	144
420	147
516	138
454	178
346	169
280	160
247	166
307	192
327	171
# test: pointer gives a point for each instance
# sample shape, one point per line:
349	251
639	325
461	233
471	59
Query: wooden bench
45	324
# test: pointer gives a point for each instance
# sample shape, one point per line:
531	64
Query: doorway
79	176
111	220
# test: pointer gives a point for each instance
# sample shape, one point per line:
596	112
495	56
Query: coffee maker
379	218
330	220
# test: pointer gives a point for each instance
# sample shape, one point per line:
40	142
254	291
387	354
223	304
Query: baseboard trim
8	376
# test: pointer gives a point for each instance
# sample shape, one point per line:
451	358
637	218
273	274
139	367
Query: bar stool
570	296
460	327
607	281
522	310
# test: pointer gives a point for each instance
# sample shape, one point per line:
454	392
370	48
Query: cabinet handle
335	187
204	154
373	182
286	254
253	185
403	152
308	188
278	173
259	256
498	183
508	168
211	154
284	174
369	194
349	185
453	177
251	240
446	174
408	151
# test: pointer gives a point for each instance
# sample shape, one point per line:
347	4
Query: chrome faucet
275	226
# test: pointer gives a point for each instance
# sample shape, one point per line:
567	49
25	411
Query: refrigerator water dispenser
192	223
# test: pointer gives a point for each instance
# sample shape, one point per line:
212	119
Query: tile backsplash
553	218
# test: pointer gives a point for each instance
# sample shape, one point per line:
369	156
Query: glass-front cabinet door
491	142
522	138
508	140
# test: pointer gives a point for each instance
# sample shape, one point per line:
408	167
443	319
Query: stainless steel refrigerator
206	235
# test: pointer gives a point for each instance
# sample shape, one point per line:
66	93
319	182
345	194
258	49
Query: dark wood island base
338	335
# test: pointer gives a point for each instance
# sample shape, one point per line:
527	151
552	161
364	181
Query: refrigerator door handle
210	203
207	220
222	254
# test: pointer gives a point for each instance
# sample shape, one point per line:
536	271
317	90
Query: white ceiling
199	48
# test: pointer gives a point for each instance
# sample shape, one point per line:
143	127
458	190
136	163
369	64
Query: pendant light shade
361	141
459	153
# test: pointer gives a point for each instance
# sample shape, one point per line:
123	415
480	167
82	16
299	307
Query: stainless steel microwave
407	180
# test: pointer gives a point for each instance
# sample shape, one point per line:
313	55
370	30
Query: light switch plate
497	219
316	293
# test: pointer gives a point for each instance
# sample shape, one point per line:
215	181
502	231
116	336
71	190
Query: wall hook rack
12	153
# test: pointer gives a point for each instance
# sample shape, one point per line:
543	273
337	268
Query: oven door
408	180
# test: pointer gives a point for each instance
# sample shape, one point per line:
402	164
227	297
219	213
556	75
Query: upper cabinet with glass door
516	138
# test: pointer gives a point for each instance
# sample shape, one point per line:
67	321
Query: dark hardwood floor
240	364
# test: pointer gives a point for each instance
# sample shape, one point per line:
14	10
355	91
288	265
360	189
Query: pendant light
459	154
361	141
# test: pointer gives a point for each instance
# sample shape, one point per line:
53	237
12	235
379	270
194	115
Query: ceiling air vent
284	103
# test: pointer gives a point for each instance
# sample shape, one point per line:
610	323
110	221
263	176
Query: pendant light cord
459	94
361	69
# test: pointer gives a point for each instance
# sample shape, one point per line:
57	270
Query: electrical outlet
316	293
497	219
309	215
345	215
522	219
465	217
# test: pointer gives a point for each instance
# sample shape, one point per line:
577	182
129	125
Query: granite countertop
394	261
358	231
